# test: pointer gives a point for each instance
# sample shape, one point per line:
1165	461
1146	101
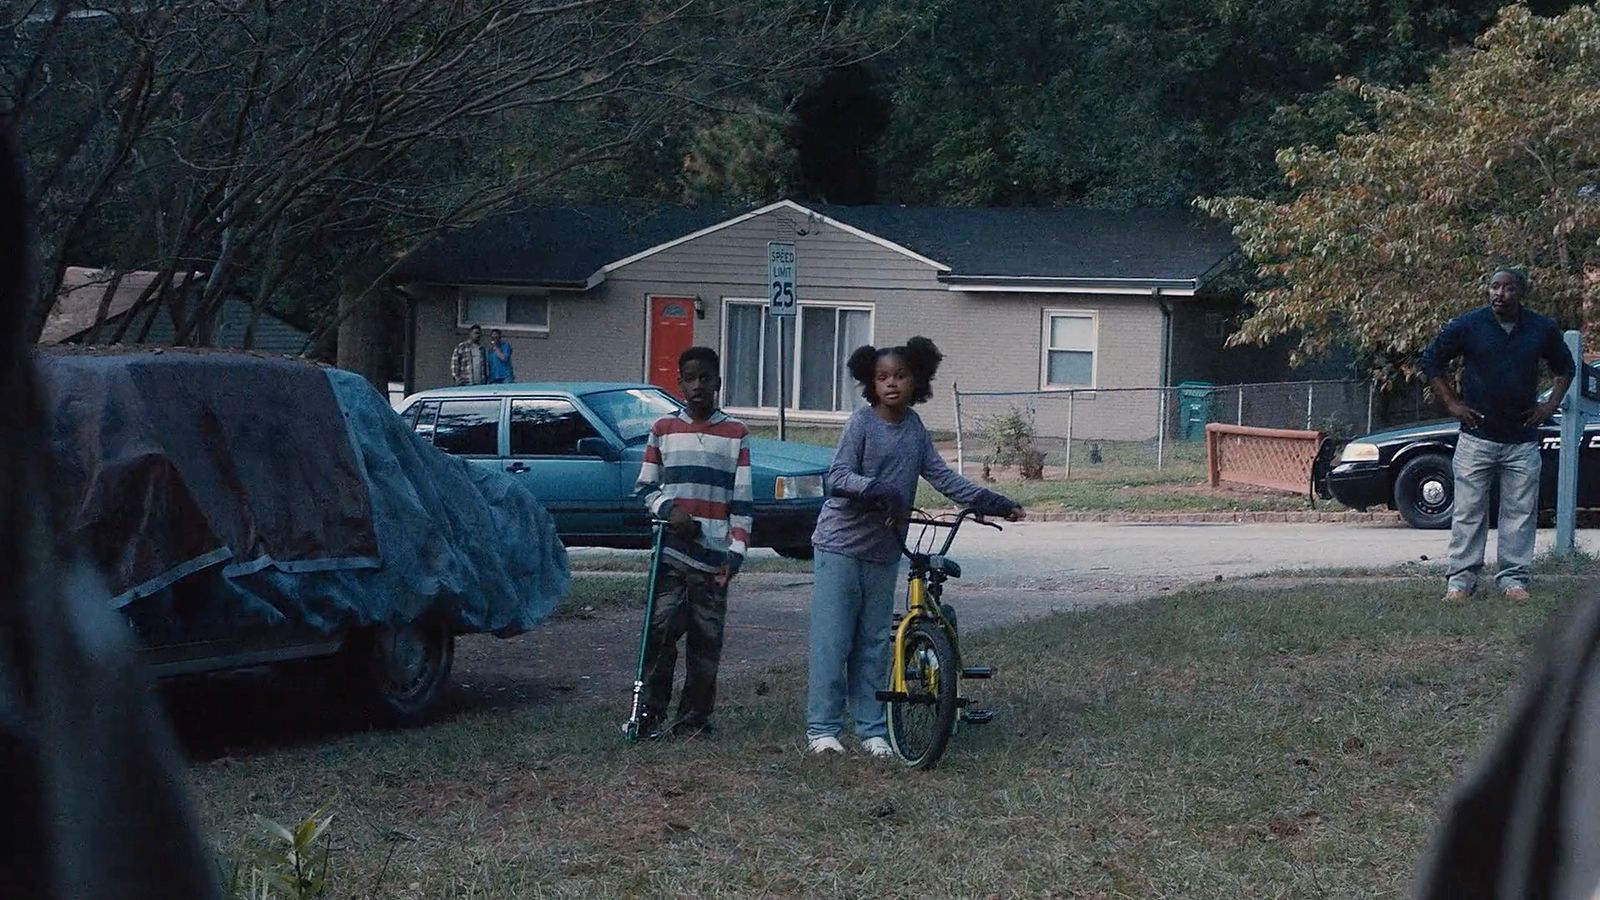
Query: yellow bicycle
924	699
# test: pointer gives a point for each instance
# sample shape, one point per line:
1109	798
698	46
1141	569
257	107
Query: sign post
781	306
1581	403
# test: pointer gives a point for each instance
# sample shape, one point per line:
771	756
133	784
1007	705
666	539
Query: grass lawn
1176	487
1220	744
1125	479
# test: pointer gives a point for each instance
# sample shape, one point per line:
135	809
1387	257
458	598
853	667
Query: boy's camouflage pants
689	605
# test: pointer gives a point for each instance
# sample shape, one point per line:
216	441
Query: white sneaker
821	746
877	747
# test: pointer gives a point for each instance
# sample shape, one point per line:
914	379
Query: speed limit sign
780	279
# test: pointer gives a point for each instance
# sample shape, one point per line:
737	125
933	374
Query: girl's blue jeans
852	601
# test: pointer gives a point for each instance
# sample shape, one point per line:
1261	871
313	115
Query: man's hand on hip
1469	417
1542	413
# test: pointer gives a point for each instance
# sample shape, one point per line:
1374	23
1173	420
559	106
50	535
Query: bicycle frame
923	589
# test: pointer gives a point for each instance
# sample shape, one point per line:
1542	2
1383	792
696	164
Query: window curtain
741	357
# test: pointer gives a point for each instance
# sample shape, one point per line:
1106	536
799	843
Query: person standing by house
1500	346
499	359
696	475
873	478
467	363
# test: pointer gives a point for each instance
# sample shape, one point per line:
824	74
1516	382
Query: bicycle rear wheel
921	721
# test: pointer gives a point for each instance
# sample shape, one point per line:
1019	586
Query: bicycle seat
945	566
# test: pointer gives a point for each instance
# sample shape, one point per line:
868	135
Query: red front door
671	333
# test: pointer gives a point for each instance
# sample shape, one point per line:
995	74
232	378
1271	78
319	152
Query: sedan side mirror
597	446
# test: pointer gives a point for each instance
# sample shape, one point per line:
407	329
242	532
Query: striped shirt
704	469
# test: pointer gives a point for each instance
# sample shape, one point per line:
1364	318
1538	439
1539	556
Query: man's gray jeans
1477	463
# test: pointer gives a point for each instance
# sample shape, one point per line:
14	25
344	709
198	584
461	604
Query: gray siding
273	335
992	341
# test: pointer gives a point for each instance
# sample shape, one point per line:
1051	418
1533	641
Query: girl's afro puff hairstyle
920	356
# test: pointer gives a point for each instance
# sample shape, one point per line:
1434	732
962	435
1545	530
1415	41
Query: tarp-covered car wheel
398	674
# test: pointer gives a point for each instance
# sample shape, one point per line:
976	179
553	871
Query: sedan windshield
631	412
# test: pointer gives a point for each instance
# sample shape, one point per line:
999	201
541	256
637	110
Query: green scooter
630	731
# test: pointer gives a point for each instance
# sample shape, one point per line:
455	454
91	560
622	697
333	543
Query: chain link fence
1078	433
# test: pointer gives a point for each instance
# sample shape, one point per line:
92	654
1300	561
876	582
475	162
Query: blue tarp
259	491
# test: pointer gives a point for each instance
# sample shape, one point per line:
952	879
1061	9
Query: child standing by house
696	475
874	474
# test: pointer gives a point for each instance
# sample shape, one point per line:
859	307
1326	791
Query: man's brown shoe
1517	594
1456	595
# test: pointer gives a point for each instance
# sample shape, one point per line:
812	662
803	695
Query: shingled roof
555	247
1038	243
970	246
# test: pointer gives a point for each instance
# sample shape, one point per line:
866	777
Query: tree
1138	102
1390	232
253	142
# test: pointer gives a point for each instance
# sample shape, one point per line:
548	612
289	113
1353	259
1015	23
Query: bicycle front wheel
921	721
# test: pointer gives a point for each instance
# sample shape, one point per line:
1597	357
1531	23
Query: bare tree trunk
361	333
105	307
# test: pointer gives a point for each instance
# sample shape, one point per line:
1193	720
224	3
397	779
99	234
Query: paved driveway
1112	555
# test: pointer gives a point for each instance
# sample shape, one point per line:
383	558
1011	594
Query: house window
818	346
1070	338
511	312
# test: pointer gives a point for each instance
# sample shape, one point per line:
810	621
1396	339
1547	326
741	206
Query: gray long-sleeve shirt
872	449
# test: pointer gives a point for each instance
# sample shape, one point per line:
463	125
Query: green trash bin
1196	402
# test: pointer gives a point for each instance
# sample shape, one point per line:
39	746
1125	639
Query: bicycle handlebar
953	524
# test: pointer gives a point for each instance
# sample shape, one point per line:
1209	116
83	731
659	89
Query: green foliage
1138	102
1011	443
292	866
1391	232
744	159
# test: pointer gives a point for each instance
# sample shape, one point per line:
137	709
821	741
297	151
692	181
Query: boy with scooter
696	477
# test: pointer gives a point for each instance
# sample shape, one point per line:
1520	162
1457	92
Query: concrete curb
1385	517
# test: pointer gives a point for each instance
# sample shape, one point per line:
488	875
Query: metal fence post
1309	391
1372	388
1161	424
1239	419
1572	421
961	468
1070	396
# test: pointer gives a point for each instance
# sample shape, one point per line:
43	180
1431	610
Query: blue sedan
580	446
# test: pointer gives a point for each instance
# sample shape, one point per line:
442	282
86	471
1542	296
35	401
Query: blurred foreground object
92	803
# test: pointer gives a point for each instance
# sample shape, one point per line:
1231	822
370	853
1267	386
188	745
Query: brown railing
1276	458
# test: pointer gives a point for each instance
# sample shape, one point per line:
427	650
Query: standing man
1500	346
499	359
467	363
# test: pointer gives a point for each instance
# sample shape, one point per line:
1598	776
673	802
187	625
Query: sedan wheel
1424	491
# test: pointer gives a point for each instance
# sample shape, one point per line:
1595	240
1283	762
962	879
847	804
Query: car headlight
1358	452
796	487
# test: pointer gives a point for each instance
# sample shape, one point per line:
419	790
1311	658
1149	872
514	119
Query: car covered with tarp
247	509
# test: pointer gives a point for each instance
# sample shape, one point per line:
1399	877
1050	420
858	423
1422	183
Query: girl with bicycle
883	450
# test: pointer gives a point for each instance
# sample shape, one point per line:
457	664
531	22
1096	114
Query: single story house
1018	299
83	289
